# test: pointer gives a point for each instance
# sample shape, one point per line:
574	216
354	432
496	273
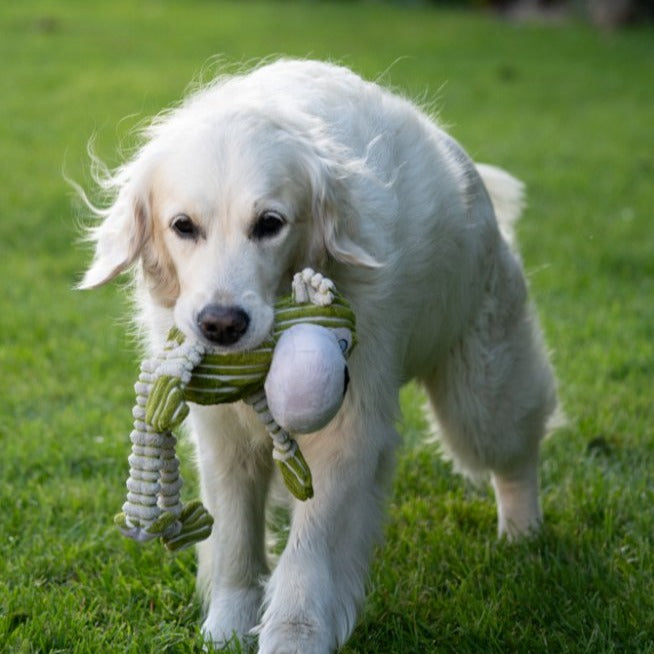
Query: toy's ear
118	240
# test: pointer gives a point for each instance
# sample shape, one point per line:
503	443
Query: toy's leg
493	396
235	471
313	595
286	453
152	506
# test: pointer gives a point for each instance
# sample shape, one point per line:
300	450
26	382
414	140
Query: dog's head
218	209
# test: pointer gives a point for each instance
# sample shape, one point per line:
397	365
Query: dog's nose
223	325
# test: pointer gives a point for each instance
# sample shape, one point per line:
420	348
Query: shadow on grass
461	591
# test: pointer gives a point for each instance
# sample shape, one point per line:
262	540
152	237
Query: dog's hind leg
493	396
517	497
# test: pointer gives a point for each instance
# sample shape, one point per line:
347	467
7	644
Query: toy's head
308	377
300	360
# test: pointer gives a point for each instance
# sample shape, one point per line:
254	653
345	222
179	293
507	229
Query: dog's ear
118	240
335	214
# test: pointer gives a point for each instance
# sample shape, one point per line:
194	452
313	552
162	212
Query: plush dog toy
295	381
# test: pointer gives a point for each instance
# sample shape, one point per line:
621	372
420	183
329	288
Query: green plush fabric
190	372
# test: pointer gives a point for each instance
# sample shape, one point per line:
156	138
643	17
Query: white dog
303	164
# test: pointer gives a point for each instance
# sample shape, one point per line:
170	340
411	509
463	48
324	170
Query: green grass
567	109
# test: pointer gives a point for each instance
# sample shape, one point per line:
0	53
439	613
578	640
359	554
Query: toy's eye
346	381
344	339
267	225
184	227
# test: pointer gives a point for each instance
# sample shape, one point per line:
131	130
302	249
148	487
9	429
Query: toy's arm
166	408
310	287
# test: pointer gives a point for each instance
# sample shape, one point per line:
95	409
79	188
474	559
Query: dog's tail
507	195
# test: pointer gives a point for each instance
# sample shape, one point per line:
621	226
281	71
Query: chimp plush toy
295	381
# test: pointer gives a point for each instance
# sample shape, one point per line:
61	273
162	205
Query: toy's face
308	377
232	219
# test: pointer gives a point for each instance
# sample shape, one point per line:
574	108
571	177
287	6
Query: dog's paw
232	616
310	286
294	637
300	614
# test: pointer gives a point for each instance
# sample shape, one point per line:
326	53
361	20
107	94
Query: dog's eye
184	227
267	225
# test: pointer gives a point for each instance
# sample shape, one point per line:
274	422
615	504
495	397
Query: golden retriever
303	164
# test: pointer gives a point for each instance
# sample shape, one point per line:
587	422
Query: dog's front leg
313	596
235	469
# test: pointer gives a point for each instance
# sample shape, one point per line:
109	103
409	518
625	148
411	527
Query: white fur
378	198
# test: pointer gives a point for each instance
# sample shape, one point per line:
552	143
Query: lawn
567	109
